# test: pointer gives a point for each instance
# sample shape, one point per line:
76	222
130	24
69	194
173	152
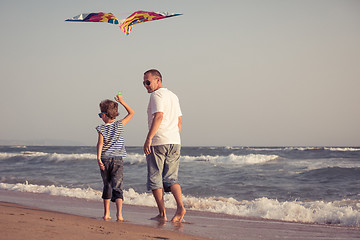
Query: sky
247	73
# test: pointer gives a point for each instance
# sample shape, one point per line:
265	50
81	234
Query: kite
125	24
142	16
95	17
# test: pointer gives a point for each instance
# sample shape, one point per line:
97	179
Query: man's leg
159	198
180	210
171	170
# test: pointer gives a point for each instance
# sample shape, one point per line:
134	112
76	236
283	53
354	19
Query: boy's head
109	107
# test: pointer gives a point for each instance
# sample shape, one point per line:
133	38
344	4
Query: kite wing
95	17
143	16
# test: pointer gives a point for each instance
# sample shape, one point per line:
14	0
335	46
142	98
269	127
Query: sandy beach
42	216
19	222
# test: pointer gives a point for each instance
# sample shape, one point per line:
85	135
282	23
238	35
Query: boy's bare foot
179	215
106	218
120	219
159	218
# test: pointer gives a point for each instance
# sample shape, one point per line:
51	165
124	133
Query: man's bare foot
120	218
179	215
159	218
106	218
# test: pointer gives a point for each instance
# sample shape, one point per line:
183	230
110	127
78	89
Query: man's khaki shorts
163	166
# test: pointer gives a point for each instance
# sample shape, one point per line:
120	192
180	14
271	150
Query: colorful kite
125	24
95	17
142	16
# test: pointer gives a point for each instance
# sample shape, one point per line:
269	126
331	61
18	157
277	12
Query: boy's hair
154	72
109	107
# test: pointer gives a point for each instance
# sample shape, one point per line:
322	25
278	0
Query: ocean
299	184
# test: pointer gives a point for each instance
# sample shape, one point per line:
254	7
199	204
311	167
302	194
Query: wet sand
21	222
40	216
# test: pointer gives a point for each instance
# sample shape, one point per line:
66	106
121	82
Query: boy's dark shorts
113	178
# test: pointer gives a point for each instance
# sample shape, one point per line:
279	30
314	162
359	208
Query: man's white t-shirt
165	101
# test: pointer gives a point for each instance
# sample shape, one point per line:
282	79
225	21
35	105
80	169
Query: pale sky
247	73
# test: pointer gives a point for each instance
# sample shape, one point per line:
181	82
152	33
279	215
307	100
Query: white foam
264	149
135	158
346	149
309	164
49	156
232	148
338	212
302	148
53	190
7	155
344	212
232	159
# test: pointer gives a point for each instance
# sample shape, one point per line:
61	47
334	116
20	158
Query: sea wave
60	157
287	149
232	159
342	149
136	158
30	155
344	212
332	149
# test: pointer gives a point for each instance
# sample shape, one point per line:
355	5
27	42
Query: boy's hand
119	98
101	165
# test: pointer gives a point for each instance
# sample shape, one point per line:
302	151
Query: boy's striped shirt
114	145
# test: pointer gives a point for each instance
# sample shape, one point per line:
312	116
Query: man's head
109	108
152	80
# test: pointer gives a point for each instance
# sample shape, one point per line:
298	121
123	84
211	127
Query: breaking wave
344	212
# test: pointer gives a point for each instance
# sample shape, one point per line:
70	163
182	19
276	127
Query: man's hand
158	117
147	145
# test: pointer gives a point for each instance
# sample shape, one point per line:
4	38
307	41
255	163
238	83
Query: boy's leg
106	190
116	184
159	198
106	209
180	210
119	216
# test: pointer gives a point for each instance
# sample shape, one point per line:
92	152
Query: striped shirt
114	145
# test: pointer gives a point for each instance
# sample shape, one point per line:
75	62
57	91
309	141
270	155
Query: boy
110	153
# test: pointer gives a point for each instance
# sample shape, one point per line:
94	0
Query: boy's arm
131	112
99	147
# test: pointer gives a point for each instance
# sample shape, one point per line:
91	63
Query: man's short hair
154	72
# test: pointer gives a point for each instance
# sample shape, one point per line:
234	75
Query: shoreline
198	224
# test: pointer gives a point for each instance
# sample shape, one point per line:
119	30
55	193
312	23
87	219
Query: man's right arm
180	123
158	117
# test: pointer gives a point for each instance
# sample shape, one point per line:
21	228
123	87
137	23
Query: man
162	144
